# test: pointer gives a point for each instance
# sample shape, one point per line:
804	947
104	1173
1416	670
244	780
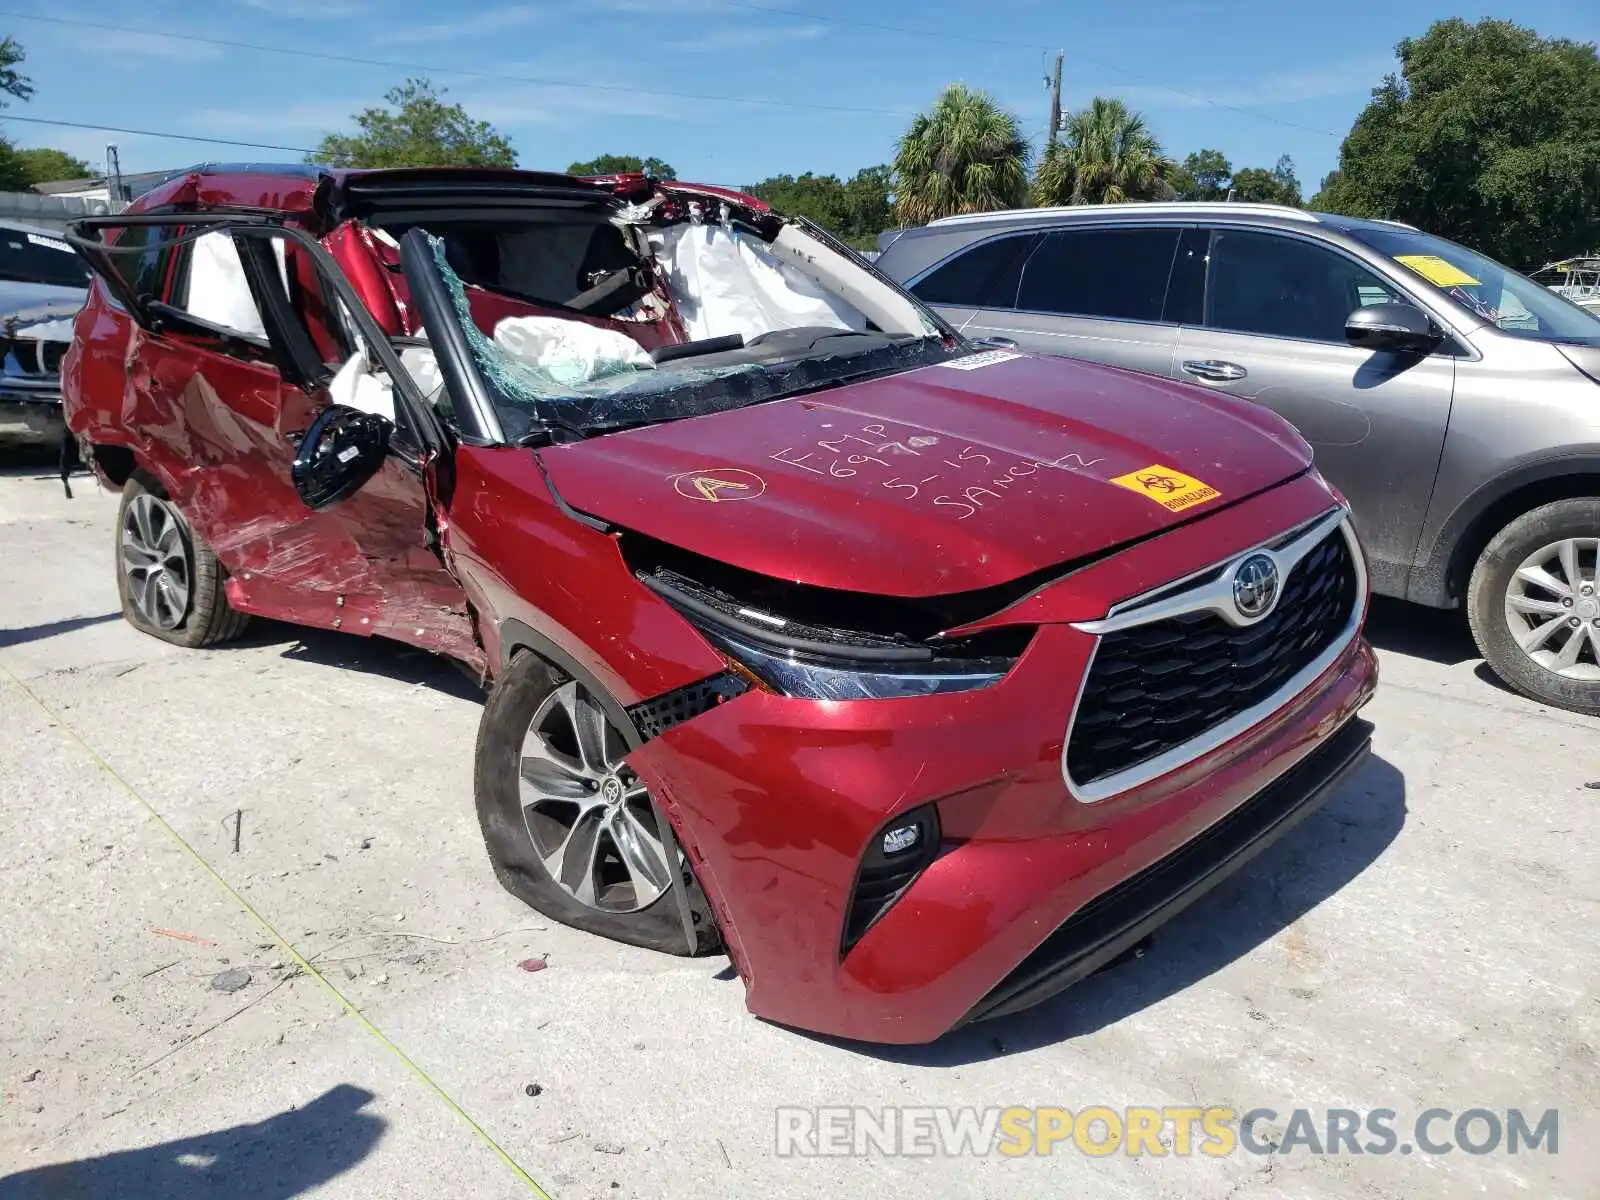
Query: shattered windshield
705	318
1513	303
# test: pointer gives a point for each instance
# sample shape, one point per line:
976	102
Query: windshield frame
1389	244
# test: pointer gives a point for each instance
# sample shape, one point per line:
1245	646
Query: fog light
901	839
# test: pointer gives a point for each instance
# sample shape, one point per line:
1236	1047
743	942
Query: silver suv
1455	402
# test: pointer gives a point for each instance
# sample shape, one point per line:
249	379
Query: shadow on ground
1439	635
1313	861
371	656
284	1156
50	629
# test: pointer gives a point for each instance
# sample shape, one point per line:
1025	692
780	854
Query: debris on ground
231	980
609	1147
533	1089
32	1075
178	935
533	964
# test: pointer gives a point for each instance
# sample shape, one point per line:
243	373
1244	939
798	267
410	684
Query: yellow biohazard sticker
1436	270
1173	490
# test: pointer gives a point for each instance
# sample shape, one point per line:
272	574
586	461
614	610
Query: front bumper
1116	921
777	799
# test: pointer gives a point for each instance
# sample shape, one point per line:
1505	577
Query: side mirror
1400	328
341	451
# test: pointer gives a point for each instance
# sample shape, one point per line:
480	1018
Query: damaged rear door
228	374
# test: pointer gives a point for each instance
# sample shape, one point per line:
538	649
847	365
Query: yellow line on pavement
299	959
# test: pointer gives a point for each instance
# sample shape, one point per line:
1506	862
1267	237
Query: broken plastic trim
800	659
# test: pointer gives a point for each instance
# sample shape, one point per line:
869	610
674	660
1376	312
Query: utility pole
1054	84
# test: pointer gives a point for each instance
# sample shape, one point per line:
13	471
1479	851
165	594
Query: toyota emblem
1255	586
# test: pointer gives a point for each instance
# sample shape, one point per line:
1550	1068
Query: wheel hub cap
1552	608
589	817
156	562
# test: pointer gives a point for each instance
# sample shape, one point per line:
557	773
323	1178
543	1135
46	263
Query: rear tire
1536	578
535	811
169	581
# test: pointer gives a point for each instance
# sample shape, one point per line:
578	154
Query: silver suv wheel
1552	608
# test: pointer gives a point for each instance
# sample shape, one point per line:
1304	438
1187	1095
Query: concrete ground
1431	939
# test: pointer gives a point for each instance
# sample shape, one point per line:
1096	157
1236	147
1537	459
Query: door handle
1215	371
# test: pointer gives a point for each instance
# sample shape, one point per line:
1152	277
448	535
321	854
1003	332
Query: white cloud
550	104
494	20
1356	77
720	40
310	10
292	123
121	43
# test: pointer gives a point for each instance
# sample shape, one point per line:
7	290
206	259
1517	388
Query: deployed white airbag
217	291
570	352
728	283
355	386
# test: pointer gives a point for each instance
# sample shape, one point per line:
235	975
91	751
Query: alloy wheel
1552	607
590	818
156	561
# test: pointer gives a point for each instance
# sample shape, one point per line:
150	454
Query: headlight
816	660
816	679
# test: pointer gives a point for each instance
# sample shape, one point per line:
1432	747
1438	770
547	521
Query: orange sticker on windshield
1173	490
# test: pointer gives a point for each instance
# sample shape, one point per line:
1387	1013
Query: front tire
570	830
1534	604
169	581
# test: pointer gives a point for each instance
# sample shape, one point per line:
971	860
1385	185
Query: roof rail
1211	207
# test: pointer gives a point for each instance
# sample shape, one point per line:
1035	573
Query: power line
430	69
182	137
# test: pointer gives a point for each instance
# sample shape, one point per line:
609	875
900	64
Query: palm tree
965	155
1107	156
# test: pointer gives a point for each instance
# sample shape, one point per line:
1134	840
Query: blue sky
1253	78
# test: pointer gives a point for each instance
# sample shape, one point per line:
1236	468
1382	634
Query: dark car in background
1454	401
43	284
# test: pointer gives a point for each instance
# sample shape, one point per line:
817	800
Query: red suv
922	677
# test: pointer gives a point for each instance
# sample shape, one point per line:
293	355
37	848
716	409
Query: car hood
39	310
943	479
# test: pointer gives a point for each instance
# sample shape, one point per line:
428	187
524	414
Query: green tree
1204	175
46	166
13	171
1261	186
417	129
623	164
1106	156
966	154
855	210
12	81
1489	135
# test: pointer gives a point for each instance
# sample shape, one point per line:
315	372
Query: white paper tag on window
51	242
987	358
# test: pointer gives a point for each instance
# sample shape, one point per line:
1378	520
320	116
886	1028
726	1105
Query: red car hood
938	480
